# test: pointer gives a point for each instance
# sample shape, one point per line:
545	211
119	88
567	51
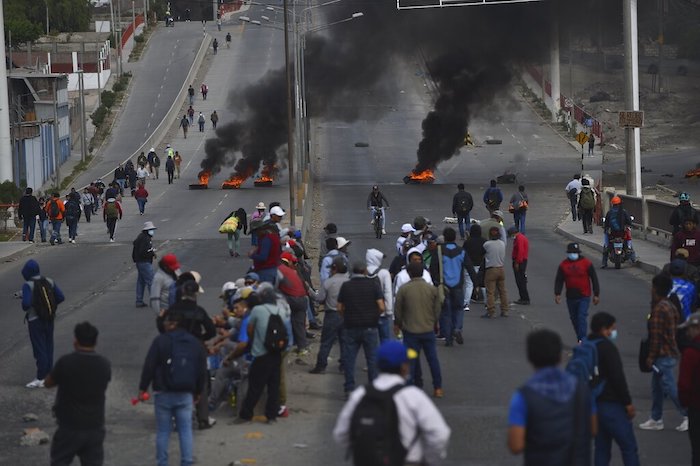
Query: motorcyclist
376	200
683	212
616	222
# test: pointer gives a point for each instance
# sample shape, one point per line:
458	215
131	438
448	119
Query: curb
645	266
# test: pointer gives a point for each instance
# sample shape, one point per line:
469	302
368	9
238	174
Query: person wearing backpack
572	189
388	423
688	383
200	121
518	206
55	211
493	197
40	299
72	213
174	386
462	205
586	205
268	326
110	214
141	195
155	163
614	403
616	222
27	210
551	418
683	211
143	254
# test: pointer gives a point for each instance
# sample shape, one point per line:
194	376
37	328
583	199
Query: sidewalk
651	256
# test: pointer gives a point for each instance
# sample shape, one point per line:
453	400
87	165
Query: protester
462	205
337	247
143	254
521	246
495	220
292	287
40	298
422	431
587	200
55	210
551	420
86	201
689	385
232	226
493	197
168	271
688	238
494	275
82	378
266	256
178	161
684	289
141	195
111	214
518	206
474	247
374	258
684	211
573	188
27	211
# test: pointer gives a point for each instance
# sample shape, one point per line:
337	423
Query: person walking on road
689	385
360	303
200	122
143	254
190	94
494	274
40	298
423	432
587	199
178	161
578	273
43	219
663	354
215	46
55	209
214	119
518	205
462	205
493	197
184	124
82	378
170	169
174	390
614	404
111	214
521	247
86	200
204	90
684	210
228	40
417	313
551	418
141	195
28	210
591	144
155	164
232	226
572	191
72	215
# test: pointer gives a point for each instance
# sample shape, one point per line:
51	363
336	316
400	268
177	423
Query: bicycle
378	220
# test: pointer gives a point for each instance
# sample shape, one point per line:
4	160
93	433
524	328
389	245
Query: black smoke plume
470	52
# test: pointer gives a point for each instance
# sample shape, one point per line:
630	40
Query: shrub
118	86
9	192
99	115
139	39
108	98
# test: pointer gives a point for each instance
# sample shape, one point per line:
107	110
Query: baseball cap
277	210
497	213
407	228
431	237
243	293
677	267
693	319
170	260
288	257
391	354
228	286
573	247
252	276
682	252
342	242
331	228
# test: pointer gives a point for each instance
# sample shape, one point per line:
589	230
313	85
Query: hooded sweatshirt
402	278
30	272
374	259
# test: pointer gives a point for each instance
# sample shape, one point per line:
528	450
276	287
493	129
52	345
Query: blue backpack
584	366
183	366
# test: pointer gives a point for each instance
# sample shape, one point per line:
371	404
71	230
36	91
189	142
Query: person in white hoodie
414	255
374	258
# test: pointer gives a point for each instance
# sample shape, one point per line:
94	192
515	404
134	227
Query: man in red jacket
521	247
266	256
689	383
688	238
292	287
579	274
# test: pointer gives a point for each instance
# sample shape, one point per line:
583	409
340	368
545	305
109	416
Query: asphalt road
479	376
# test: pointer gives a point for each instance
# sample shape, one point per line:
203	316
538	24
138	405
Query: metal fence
651	215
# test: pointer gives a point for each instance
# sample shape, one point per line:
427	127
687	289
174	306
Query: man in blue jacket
40	328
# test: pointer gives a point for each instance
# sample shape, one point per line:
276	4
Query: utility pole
119	38
133	18
5	141
661	46
632	135
56	145
47	16
290	120
554	69
83	143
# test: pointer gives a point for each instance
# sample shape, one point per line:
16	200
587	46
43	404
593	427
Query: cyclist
376	200
616	221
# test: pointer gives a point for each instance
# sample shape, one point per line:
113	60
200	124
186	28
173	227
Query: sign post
582	139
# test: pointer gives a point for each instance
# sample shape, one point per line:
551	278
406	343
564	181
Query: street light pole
290	121
632	135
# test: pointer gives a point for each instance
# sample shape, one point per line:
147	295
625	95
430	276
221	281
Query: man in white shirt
422	429
572	191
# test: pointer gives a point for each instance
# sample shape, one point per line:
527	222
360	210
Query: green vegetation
101	116
9	193
26	20
78	169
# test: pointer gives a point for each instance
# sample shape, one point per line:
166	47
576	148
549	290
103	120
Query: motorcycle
618	250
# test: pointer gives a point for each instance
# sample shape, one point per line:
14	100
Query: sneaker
487	316
318	370
440	337
283	411
208	424
31	242
651	424
438	393
458	338
466	308
303	352
522	302
371	222
604	266
383	231
240	421
683	426
111	240
310	335
36	383
315	326
141	305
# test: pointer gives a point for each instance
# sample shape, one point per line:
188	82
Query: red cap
289	257
170	261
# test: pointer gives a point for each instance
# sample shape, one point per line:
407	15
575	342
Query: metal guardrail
635	207
658	213
651	215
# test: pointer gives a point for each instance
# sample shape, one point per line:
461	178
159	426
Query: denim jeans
353	338
28	228
310	314
519	219
332	329
267	275
143	279
56	230
72	228
663	384
383	215
463	222
426	342
298	305
41	336
578	313
178	405
385	329
469	287
142	204
43	226
613	424
121	182
452	315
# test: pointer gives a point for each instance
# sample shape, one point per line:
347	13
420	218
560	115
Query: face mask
151	232
613	335
572	256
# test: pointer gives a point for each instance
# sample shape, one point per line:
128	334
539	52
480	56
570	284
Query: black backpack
182	367
464	204
276	336
375	439
54	210
72	209
44	299
492	197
